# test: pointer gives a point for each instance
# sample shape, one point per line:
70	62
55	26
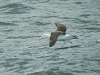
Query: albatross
58	35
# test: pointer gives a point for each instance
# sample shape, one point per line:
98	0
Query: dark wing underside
61	29
53	37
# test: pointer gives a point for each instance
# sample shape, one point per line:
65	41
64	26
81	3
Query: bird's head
45	36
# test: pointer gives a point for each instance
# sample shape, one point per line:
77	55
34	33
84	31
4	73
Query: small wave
8	30
78	2
7	24
93	59
41	23
45	1
81	21
50	16
92	29
68	47
85	15
50	72
40	1
19	37
15	8
1	51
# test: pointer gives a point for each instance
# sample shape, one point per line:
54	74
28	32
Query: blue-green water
22	22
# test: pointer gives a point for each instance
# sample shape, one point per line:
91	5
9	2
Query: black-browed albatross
58	35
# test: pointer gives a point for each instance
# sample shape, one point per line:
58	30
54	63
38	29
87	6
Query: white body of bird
65	37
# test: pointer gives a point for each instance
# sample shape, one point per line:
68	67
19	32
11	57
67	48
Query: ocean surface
22	22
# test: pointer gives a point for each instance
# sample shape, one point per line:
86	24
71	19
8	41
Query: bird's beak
40	38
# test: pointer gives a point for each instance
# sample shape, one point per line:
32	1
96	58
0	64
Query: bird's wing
61	27
53	37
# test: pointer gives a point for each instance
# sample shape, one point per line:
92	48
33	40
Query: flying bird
58	35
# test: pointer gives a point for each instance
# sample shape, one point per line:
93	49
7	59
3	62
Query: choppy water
22	22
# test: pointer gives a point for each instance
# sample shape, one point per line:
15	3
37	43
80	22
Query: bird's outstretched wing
61	27
53	37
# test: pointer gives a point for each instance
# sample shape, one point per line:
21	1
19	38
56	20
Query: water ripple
7	24
15	8
19	37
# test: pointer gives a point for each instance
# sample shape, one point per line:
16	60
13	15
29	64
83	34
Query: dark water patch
50	16
93	29
78	2
15	60
92	59
41	23
1	50
85	15
71	63
56	71
16	64
21	63
79	71
12	59
1	41
26	53
20	37
69	18
7	24
7	64
98	24
82	21
68	47
15	8
37	73
9	30
96	70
